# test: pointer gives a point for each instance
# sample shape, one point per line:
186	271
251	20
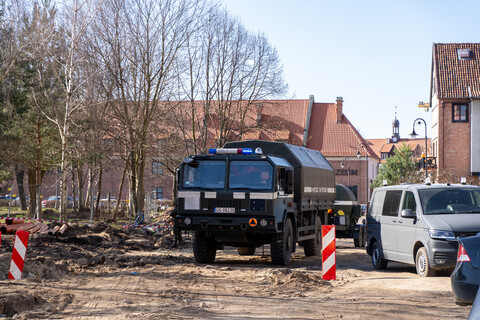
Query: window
460	112
157	168
208	174
409	201
392	203
157	193
384	155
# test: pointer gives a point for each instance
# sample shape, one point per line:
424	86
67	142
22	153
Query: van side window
409	201
377	203
392	203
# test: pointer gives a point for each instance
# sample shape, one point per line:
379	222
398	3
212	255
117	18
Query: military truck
251	193
346	216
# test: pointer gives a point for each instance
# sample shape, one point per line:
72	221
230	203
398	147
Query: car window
409	201
377	203
392	203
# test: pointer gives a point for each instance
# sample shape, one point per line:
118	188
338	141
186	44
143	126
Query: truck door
406	229
389	223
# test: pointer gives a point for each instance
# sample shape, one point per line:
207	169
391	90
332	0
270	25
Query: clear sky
375	54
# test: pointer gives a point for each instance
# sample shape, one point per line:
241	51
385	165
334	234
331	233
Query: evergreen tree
398	169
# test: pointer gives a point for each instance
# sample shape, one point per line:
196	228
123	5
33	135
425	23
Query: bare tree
226	72
139	42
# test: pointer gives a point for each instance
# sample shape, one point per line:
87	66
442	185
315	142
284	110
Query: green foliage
398	169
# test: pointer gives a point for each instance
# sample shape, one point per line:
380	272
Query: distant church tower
395	128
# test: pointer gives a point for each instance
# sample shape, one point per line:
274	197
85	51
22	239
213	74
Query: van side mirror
408	213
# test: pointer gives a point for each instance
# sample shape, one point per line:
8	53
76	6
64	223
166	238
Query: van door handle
400	221
395	220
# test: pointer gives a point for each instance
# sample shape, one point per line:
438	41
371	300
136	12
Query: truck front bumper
208	223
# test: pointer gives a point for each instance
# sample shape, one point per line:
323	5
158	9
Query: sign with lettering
345	172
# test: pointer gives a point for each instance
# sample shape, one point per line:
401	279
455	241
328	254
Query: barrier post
18	255
328	253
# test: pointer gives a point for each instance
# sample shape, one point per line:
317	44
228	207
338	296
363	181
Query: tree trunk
99	188
19	175
80	183
120	187
74	191
32	190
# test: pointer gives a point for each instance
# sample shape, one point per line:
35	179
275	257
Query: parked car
465	278
475	311
420	224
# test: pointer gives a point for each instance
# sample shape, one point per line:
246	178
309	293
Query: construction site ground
103	272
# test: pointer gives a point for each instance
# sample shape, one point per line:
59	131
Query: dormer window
463	54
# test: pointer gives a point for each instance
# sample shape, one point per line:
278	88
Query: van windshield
450	200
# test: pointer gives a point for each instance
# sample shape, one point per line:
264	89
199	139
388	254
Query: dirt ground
102	272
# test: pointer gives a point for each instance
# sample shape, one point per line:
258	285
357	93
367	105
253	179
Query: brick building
455	106
320	126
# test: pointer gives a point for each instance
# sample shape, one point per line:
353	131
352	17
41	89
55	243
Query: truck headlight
440	234
187	221
263	223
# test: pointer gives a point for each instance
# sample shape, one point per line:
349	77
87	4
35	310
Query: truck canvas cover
318	183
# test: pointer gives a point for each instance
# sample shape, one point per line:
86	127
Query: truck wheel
422	265
204	247
246	251
356	242
313	247
378	261
281	251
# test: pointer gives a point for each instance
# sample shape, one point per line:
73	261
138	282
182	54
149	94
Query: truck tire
313	247
204	247
422	265
246	251
281	251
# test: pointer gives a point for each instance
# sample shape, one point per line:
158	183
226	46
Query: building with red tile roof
303	122
455	106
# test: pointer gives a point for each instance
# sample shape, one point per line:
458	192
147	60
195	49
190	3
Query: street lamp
414	135
348	168
358	154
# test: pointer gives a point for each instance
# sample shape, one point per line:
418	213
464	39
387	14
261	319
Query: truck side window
409	201
392	203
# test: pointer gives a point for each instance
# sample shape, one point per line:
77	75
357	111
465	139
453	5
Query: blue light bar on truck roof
230	151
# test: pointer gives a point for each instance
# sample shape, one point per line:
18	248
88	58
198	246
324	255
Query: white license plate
224	210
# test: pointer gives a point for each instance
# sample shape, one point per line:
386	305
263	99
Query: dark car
465	278
475	312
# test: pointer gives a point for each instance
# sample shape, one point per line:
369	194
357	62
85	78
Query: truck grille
223	203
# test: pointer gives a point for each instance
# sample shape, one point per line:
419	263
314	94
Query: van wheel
281	251
246	251
313	247
378	261
422	265
204	247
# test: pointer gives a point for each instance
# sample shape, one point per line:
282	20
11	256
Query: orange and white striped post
328	253
18	255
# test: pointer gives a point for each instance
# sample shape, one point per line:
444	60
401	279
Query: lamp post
348	168
414	135
366	172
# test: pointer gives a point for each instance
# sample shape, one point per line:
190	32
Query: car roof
408	186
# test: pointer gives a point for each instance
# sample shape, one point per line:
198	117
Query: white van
420	224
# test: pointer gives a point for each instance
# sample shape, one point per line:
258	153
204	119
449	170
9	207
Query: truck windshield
250	175
208	174
450	200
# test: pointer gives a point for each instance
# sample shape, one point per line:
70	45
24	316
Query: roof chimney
339	109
